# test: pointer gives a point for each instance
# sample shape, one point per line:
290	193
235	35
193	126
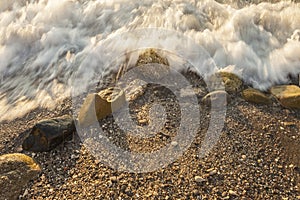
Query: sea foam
43	43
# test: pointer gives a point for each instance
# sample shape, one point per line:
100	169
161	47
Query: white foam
42	43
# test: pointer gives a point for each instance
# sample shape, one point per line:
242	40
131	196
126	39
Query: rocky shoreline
256	156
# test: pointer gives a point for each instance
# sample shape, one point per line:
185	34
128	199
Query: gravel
250	160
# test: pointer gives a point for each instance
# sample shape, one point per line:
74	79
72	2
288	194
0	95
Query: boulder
218	98
288	95
98	106
255	96
49	133
16	170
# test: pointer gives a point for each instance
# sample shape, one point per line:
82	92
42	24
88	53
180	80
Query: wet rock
231	82
16	170
151	64
219	99
98	106
288	95
255	96
151	56
135	89
49	133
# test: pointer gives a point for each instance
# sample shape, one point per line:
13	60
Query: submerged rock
288	95
47	134
16	170
255	96
98	106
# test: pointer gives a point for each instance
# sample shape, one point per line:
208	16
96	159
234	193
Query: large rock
151	64
151	56
49	133
225	80
232	82
255	96
98	106
288	95
16	170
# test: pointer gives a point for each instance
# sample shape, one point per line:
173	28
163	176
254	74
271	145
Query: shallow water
43	43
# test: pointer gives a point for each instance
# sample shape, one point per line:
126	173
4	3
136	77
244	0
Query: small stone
232	193
174	143
113	179
213	172
196	192
199	179
243	157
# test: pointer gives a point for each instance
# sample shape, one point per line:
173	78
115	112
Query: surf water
43	42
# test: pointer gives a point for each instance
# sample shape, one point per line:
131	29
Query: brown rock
16	170
135	89
288	95
151	56
255	96
47	134
231	82
98	106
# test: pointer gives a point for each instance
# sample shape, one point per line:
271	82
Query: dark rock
16	170
47	134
